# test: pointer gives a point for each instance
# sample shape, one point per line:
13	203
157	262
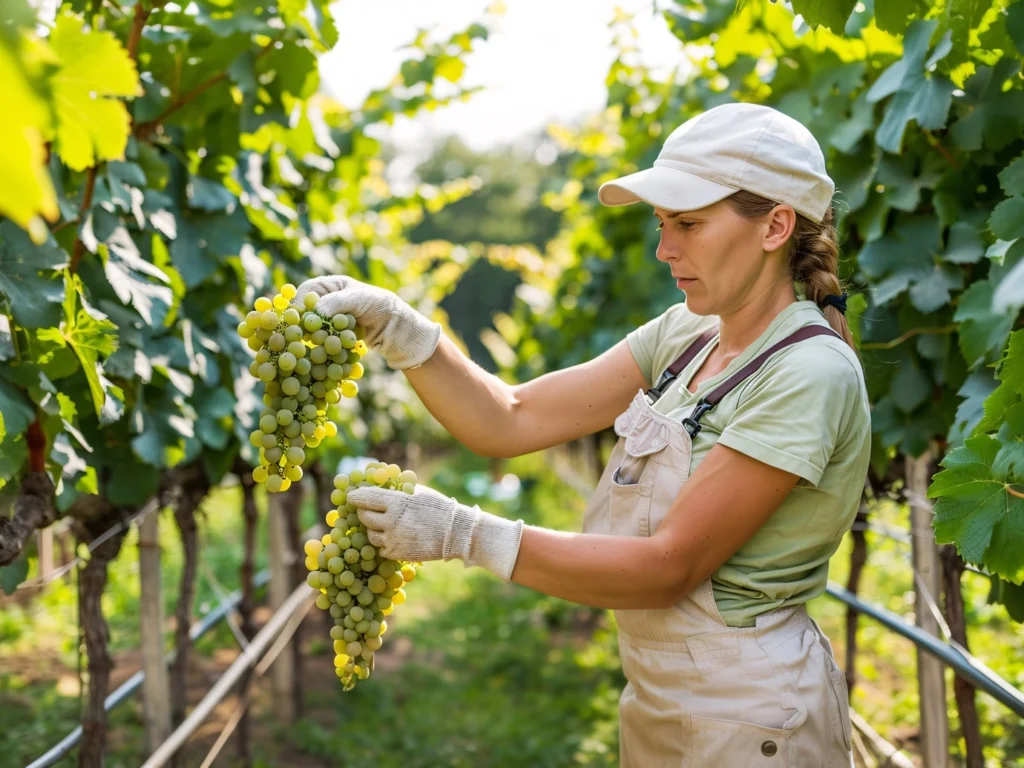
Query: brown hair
813	255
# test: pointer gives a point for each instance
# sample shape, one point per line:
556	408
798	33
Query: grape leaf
894	15
1011	178
16	410
208	195
1008	297
27	190
1008	464
1007	221
910	386
907	257
35	298
1011	369
94	66
829	13
127	271
1010	595
922	97
1015	25
13	574
976	511
964	244
975	392
983	332
89	336
993	117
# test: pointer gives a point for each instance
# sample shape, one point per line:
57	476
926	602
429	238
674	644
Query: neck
741	327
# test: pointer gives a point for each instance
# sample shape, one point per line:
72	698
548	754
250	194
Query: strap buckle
692	423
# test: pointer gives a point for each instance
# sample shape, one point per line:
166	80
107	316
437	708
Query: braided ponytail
813	256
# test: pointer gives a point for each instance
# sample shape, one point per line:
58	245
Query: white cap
725	149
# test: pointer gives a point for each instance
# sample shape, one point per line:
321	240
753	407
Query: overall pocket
632	482
719	742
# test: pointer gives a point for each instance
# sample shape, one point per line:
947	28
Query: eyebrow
679	215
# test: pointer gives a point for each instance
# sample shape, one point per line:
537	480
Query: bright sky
545	60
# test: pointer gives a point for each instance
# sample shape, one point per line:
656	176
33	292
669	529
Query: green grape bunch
357	586
306	362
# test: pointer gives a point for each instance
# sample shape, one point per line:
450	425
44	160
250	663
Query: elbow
492	450
678	579
501	438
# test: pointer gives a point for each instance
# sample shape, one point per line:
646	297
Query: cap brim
662	187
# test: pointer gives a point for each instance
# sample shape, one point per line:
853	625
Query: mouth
683	282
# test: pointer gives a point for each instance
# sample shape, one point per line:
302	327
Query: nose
666	248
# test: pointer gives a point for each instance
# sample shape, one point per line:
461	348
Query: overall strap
680	363
709	401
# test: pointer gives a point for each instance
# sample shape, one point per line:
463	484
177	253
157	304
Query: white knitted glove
430	526
402	336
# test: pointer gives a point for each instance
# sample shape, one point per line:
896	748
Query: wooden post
858	558
282	554
44	548
156	702
931	681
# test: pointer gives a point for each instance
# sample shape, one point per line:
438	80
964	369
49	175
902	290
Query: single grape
274	483
269	320
286	362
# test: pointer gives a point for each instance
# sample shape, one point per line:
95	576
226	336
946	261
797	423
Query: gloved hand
427	525
402	336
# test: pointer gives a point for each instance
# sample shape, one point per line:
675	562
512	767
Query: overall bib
700	693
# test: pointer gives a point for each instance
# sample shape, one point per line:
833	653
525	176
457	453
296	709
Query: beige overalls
700	693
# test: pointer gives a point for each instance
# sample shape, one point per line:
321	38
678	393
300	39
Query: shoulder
657	343
819	372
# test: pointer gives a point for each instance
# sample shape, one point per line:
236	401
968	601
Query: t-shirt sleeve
656	343
792	414
643	342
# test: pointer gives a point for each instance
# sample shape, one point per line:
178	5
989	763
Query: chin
696	306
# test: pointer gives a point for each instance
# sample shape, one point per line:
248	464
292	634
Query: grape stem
1012	492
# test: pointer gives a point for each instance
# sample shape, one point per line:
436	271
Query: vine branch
908	335
34	509
144	130
79	247
1012	492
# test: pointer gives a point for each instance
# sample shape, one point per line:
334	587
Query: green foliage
186	163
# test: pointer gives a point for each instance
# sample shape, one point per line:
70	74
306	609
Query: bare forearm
493	418
475	406
618	572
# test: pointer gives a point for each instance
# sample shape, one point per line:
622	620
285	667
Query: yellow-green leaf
94	66
26	191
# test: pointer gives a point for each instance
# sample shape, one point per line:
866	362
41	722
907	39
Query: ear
781	221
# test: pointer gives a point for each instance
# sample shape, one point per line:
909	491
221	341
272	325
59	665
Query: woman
743	447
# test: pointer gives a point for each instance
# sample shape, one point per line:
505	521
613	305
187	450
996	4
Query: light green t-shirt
806	412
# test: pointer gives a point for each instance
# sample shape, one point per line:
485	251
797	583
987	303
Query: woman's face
722	260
